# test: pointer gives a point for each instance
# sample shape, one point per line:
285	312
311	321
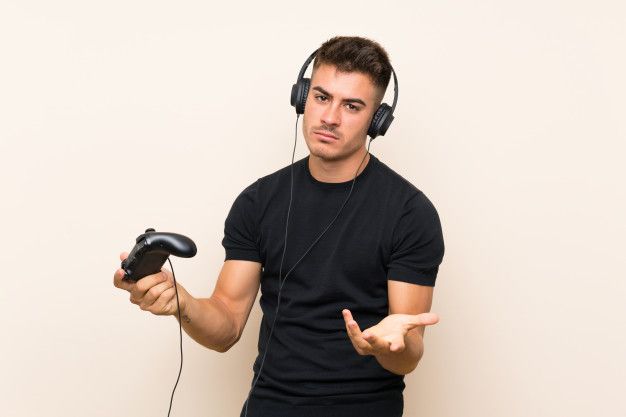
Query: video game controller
152	250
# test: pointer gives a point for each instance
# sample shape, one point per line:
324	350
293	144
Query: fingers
165	303
361	345
379	344
396	343
141	288
351	325
347	315
424	319
119	282
118	276
388	336
153	294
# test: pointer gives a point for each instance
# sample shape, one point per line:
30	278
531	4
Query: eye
321	98
352	107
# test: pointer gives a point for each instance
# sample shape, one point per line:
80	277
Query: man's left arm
397	341
417	249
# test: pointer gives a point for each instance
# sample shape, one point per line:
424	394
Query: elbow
225	348
231	328
409	369
221	349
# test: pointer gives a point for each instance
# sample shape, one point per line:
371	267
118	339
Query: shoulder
264	188
274	179
283	174
402	197
399	188
393	177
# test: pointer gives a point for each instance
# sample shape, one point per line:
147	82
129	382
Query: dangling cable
293	154
282	281
180	329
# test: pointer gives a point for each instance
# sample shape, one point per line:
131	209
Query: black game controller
152	250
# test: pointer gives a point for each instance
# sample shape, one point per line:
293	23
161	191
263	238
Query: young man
353	310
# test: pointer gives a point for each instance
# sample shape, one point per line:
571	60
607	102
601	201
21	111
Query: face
338	111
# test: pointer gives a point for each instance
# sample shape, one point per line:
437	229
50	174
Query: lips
325	134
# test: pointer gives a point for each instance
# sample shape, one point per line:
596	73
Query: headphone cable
282	281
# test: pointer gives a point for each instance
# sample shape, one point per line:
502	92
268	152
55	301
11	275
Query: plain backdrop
121	115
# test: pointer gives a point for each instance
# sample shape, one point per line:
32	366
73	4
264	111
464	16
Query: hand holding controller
152	250
146	259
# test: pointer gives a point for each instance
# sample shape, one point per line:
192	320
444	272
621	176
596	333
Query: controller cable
281	280
180	329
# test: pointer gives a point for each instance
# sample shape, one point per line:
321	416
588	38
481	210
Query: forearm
404	362
208	322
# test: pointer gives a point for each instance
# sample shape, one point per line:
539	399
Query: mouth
325	135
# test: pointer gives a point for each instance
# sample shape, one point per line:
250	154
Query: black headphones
382	117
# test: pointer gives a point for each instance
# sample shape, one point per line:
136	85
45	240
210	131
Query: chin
328	152
325	155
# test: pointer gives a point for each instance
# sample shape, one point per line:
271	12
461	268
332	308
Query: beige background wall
121	115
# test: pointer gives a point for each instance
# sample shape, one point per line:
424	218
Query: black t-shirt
388	230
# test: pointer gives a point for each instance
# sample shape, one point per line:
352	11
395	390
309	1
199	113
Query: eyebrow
346	100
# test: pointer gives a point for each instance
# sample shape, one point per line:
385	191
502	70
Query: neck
340	170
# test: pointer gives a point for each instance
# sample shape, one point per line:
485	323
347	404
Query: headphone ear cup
299	92
381	121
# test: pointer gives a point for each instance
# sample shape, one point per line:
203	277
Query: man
352	312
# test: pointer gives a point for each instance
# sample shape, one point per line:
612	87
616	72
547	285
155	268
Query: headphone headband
306	65
382	118
395	90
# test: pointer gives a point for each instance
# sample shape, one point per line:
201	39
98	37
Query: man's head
349	79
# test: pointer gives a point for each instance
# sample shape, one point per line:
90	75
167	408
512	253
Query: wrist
185	301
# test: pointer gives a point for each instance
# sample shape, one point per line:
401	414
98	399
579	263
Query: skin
340	105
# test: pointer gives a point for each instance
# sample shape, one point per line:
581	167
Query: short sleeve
241	232
417	243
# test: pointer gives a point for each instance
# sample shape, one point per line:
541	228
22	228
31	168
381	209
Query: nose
332	115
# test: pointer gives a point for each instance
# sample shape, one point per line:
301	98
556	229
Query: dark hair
354	53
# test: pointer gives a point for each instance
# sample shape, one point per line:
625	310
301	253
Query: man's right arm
216	322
